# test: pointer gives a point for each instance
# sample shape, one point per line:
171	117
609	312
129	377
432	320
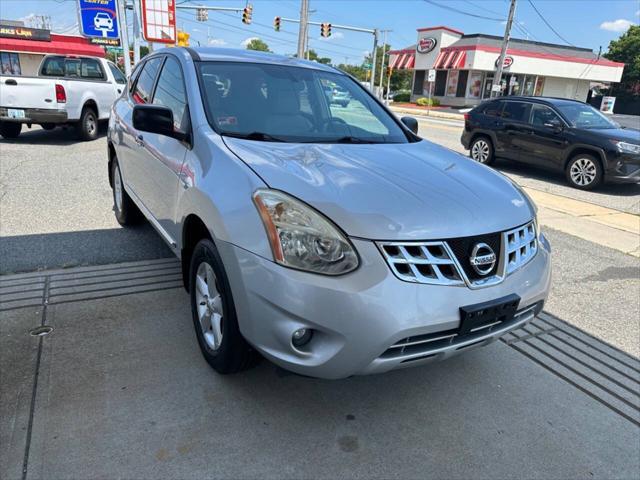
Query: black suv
562	134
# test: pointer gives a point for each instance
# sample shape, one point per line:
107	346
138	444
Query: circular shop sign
425	45
508	61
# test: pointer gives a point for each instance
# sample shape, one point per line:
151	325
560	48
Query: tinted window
542	115
170	92
117	74
516	111
90	69
585	116
493	109
292	104
53	67
146	79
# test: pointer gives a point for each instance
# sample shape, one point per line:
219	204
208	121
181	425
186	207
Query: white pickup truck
69	90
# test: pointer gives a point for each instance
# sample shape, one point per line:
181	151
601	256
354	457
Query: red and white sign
159	20
508	61
425	45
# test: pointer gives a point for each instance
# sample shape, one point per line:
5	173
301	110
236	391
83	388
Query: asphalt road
56	211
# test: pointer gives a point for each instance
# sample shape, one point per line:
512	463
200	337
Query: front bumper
357	317
36	115
625	168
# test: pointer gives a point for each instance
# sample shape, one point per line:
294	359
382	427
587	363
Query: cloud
247	41
217	42
638	13
620	25
334	36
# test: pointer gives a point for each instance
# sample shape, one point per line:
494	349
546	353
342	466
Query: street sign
159	21
98	18
431	76
367	66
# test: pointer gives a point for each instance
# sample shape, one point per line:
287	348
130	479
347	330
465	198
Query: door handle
140	140
119	90
10	81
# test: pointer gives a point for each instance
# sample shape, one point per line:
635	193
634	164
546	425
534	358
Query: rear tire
481	150
584	172
10	129
214	313
126	212
87	127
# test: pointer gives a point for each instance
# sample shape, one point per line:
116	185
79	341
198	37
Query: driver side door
548	141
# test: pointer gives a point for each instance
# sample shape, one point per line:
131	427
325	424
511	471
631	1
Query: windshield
585	116
292	104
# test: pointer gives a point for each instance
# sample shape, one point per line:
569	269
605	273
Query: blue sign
98	18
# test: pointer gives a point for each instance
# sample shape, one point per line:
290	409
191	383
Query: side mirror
556	127
156	119
411	123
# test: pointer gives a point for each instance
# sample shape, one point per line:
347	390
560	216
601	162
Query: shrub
402	97
431	102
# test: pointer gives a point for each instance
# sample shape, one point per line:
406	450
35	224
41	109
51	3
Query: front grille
462	248
448	262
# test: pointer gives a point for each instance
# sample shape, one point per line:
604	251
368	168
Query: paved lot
119	389
122	392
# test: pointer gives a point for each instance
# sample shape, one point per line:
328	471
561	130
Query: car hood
412	191
624	134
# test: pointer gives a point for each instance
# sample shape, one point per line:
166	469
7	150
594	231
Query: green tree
356	70
257	44
313	56
626	49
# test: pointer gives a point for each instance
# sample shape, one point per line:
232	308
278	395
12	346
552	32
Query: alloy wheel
90	124
480	151
209	305
583	172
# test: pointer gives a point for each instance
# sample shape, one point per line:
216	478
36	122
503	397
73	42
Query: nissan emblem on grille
482	258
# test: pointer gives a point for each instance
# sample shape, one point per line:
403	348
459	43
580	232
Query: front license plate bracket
474	317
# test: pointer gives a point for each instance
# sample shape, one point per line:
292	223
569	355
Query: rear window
87	68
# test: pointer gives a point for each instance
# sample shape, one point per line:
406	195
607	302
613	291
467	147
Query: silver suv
332	240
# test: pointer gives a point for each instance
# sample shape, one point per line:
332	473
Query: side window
90	69
543	116
170	92
493	109
53	67
117	74
144	84
516	111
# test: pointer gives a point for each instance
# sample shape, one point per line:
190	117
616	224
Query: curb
427	113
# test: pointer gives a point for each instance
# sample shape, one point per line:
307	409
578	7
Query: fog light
301	337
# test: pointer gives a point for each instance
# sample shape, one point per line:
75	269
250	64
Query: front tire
126	212
10	129
584	172
481	150
87	127
214	313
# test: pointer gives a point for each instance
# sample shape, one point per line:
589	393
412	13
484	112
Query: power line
462	12
549	25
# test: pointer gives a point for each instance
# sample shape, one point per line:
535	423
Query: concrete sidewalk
420	112
119	390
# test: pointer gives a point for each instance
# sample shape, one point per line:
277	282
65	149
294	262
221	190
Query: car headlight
625	147
302	238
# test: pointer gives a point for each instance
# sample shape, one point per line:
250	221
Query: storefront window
488	82
515	84
452	83
529	85
10	63
474	86
539	86
418	82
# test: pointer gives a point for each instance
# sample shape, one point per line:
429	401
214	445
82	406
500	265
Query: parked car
556	133
332	247
68	90
341	97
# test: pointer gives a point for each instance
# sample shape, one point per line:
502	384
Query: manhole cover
41	331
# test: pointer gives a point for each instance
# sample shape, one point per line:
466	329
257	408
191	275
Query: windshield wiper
260	136
349	139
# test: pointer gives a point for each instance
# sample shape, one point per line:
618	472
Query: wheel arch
585	149
111	153
485	134
193	230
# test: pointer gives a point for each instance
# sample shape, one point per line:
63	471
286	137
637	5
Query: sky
583	23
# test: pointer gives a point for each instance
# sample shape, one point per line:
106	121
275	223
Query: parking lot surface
118	389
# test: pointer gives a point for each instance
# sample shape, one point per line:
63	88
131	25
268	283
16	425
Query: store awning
402	61
62	44
450	59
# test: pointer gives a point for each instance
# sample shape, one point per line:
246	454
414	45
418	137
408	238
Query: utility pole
302	33
505	44
373	61
124	37
136	31
384	54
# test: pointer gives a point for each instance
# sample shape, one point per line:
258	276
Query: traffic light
325	29
276	24
246	14
183	39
